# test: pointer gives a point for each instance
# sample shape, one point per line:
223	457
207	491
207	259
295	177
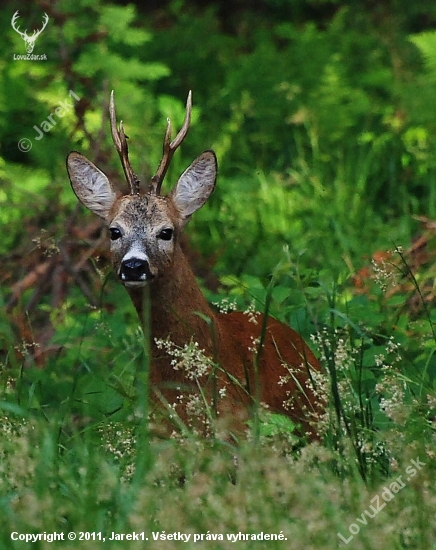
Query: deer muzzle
135	270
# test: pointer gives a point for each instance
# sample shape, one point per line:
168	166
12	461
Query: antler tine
17	29
36	33
169	147
120	141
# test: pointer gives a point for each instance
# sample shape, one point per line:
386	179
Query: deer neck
176	308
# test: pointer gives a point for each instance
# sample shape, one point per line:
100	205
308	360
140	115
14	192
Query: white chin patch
135	284
141	278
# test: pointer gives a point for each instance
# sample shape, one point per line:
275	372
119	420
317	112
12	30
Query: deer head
144	227
28	40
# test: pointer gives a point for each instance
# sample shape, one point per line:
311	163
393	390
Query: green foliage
319	114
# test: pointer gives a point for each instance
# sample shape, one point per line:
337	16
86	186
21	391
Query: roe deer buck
145	230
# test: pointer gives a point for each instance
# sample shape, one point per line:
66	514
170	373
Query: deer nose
135	269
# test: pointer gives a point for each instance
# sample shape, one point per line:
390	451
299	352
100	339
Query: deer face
143	228
143	234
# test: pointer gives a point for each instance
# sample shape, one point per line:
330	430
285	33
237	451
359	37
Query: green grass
76	455
84	485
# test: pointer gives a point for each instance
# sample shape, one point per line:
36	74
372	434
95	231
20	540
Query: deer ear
92	187
196	184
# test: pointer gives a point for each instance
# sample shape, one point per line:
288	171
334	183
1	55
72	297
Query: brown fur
175	303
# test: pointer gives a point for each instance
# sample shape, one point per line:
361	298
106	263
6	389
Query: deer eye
165	234
115	233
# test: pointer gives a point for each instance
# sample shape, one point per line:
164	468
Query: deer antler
170	146
120	141
16	29
44	24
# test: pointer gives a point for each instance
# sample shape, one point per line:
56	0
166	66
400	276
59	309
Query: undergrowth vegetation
322	216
